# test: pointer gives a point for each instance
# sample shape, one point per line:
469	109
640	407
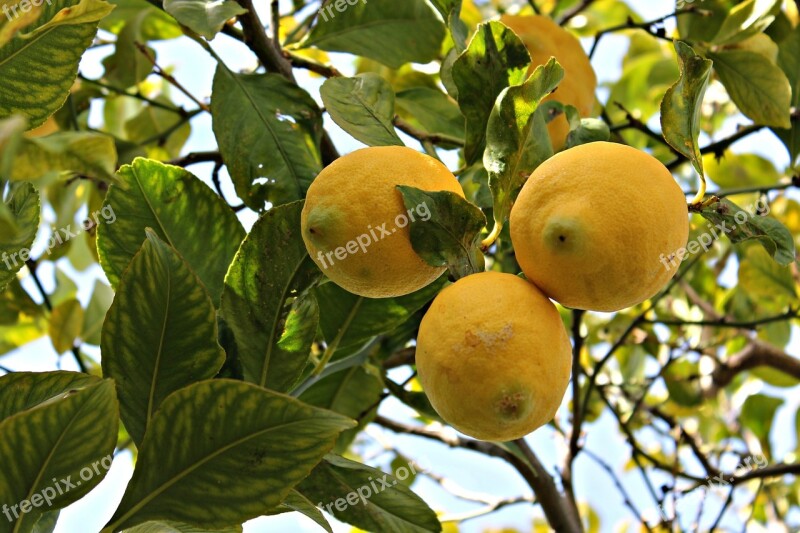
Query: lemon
356	226
493	356
544	39
598	226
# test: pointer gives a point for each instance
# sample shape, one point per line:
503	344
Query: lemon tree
342	264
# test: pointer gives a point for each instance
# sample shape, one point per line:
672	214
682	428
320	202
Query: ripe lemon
356	226
493	356
597	226
544	39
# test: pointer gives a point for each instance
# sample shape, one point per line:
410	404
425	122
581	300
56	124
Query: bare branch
423	136
555	507
575	11
757	353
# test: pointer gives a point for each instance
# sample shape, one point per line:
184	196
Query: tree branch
723	322
32	268
648	26
423	136
193	158
757	353
555	507
575	11
718	148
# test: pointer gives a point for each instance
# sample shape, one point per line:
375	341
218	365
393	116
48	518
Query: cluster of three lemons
589	229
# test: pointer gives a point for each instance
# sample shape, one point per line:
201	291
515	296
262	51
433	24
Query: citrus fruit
356	226
544	39
598	226
493	356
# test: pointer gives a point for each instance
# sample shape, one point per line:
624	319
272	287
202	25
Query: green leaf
205	17
390	32
789	62
495	59
68	435
451	11
747	19
353	392
363	106
161	314
86	153
15	301
47	522
763	279
221	452
21	19
757	415
681	380
22	391
39	67
178	527
174	203
432	111
297	502
451	235
268	131
159	128
22	204
681	106
264	303
95	315
516	136
739	226
357	319
66	323
759	88
584	130
128	66
155	26
703	28
378	501
417	400
11	135
741	170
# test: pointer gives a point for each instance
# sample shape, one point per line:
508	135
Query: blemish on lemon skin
513	405
471	340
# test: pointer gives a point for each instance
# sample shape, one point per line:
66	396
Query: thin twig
32	268
169	77
648	26
137	95
724	322
719	147
422	136
626	497
575	11
531	470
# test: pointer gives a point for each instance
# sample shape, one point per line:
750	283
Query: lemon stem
489	240
701	191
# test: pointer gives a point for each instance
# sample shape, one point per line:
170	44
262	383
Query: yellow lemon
544	39
493	356
356	226
599	226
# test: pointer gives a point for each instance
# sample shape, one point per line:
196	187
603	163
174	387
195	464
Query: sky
195	70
